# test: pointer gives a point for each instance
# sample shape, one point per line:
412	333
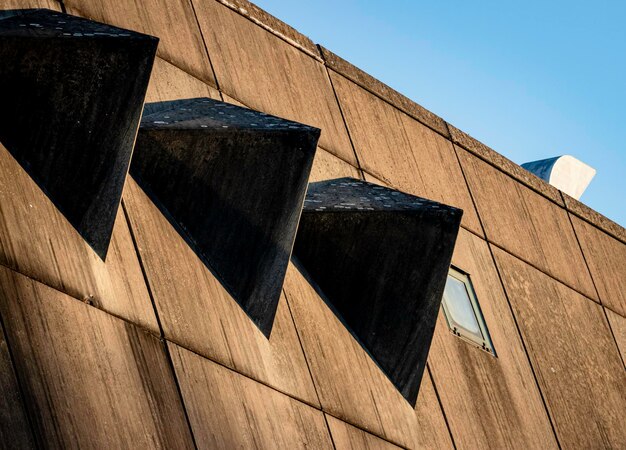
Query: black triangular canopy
232	181
380	258
72	93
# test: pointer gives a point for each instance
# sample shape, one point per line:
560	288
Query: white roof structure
565	173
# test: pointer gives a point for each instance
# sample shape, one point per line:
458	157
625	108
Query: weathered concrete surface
197	313
72	93
88	379
350	385
232	181
381	258
15	431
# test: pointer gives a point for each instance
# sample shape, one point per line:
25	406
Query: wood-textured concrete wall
148	350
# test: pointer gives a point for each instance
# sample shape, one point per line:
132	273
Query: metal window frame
485	344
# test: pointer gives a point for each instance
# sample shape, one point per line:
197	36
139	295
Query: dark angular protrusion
71	94
233	182
380	259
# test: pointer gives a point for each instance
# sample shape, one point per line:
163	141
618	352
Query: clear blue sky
530	79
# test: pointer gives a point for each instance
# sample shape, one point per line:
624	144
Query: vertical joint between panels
34	436
143	269
519	332
166	349
506	294
593	282
206	49
443	412
343	116
580	247
306	360
501	247
332	440
608	322
469	189
324	413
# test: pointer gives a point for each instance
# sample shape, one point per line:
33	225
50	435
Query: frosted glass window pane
462	313
460	306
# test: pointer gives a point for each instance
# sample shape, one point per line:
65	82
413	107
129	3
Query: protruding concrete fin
72	93
233	182
380	259
565	173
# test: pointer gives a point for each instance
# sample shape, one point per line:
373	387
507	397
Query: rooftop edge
343	67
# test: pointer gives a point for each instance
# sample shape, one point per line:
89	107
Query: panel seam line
506	295
443	412
158	319
606	317
343	117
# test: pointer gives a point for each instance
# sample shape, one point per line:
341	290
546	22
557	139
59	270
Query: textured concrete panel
168	82
398	100
402	152
270	75
618	326
233	181
372	179
15	430
348	437
490	402
37	240
381	259
231	100
240	413
594	217
61	71
606	258
174	22
577	363
504	164
22	4
197	312
90	380
327	166
526	224
350	384
274	25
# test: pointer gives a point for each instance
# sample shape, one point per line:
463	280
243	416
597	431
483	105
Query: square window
462	312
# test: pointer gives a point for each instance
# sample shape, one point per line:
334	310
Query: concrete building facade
147	349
